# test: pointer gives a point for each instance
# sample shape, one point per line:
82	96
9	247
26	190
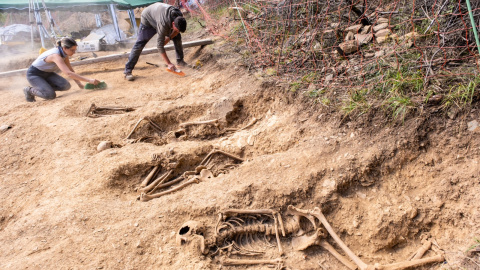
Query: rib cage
227	230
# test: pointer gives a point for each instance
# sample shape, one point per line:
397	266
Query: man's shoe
129	77
28	96
181	63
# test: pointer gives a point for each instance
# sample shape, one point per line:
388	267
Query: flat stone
363	39
379	27
382	20
472	125
383	33
366	29
354	28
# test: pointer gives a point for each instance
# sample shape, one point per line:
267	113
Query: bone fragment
104	145
135	127
280	249
90	110
139	121
214	121
147	197
408	264
149	176
421	251
157	181
305	241
248	211
319	215
161	182
251	262
167	184
155	125
251	123
291	210
337	255
280	220
206	159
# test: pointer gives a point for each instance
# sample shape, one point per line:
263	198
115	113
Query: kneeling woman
42	77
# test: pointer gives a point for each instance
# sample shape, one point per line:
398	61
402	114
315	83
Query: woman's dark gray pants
44	84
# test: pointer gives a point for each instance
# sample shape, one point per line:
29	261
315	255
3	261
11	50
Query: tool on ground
176	72
153	64
100	86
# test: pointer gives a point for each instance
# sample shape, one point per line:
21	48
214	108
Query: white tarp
15	32
109	34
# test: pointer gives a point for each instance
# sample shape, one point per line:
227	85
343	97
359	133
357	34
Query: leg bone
318	214
251	262
149	176
147	197
408	264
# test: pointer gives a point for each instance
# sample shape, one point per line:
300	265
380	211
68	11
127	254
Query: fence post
474	26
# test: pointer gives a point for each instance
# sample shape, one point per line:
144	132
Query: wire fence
400	46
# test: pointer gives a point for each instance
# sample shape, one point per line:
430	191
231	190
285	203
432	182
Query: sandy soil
382	187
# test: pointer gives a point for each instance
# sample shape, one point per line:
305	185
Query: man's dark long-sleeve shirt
160	16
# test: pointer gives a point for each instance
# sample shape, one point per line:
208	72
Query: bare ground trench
382	187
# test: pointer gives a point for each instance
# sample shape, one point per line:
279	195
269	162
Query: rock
350	36
383	33
103	145
4	128
354	28
251	140
409	39
349	46
435	99
380	53
328	78
366	29
379	27
382	20
363	38
472	125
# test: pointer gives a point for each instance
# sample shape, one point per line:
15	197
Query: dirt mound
383	187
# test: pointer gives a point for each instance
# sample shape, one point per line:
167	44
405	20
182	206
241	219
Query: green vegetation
295	86
401	76
403	81
462	94
357	103
399	106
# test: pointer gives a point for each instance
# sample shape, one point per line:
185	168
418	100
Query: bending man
41	74
165	20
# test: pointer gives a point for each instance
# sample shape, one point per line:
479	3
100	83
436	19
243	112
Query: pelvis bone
237	228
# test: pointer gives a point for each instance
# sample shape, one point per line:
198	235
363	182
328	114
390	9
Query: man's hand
172	67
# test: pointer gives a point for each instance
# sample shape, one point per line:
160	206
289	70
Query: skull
191	232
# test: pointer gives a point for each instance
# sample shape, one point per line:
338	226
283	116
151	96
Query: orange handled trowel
176	72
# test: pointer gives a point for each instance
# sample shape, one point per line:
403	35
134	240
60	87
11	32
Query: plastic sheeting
109	34
15	32
76	5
